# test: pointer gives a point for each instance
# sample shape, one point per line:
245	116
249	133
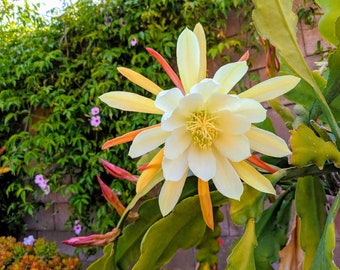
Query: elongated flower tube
93	240
205	128
118	172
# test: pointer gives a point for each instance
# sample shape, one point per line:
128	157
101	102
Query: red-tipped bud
118	172
93	240
112	198
259	163
244	57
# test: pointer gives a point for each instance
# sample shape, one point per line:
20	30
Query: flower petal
205	88
202	162
234	147
227	180
168	100
149	174
127	137
146	141
230	74
218	102
170	193
232	123
271	88
140	80
188	58
251	109
130	102
173	169
199	32
252	177
176	143
205	202
267	143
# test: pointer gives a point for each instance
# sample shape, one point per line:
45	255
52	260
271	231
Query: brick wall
50	223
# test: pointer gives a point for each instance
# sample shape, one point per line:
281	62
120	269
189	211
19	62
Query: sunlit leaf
242	254
308	148
181	229
106	262
327	23
250	205
324	254
310	207
274	20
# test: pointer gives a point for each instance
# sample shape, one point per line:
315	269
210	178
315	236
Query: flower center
202	128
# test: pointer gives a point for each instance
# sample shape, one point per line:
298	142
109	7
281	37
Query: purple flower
94	110
39	178
133	41
95	121
121	22
29	241
77	227
46	189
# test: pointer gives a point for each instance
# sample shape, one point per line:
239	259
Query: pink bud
93	240
118	172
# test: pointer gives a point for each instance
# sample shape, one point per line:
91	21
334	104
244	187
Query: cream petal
170	193
234	147
188	104
199	32
205	88
252	177
130	102
173	169
230	74
202	162
232	123
140	80
251	109
226	179
168	100
188	58
271	88
267	143
176	143
218	102
147	141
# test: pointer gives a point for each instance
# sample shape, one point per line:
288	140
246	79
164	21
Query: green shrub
39	254
51	73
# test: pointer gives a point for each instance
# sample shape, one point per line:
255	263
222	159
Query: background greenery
51	73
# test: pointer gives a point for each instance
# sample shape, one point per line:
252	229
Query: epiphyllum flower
204	128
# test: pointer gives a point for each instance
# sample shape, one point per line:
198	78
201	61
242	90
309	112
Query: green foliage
51	73
40	255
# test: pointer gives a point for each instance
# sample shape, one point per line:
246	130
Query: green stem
296	172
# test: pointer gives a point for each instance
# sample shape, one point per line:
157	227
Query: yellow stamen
203	129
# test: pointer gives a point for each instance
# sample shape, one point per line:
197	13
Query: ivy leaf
310	207
181	229
250	205
307	148
242	254
271	15
324	253
291	256
327	23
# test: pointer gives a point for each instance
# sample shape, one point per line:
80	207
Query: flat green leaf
327	23
128	245
250	205
271	231
324	254
181	229
310	207
106	262
242	254
308	148
274	20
